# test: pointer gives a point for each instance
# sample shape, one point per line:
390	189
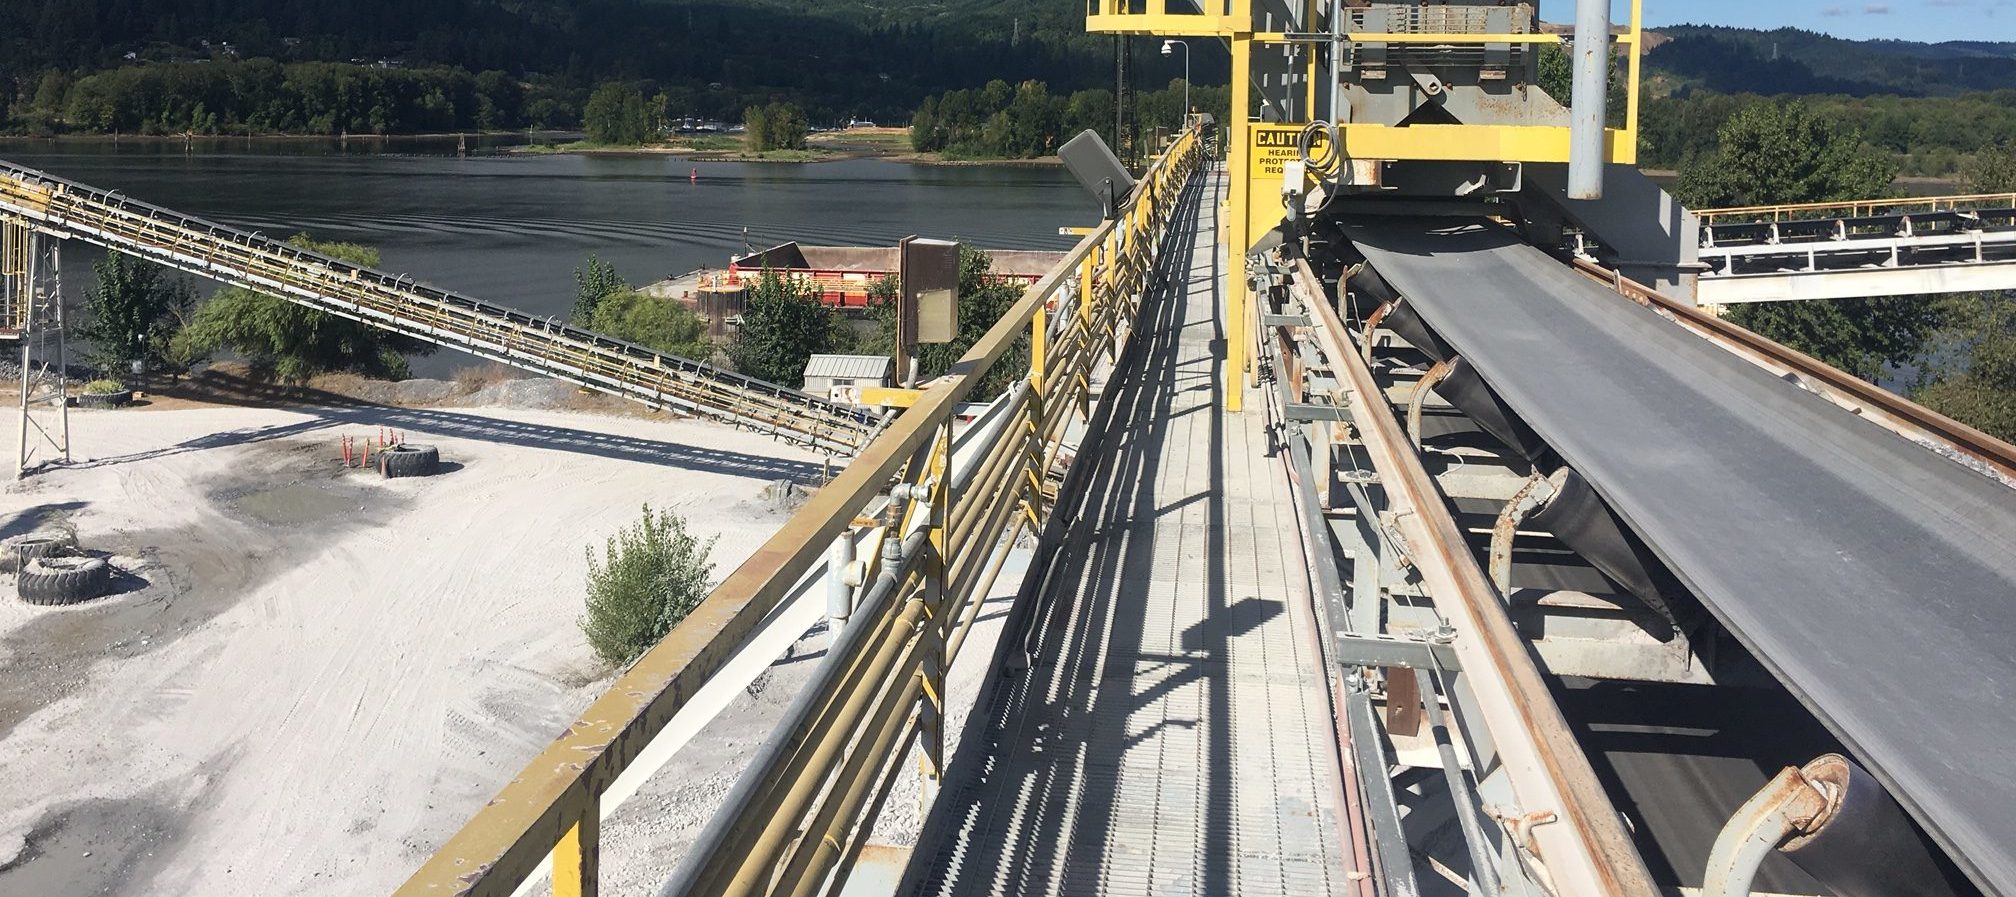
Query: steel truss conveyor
1871	575
547	346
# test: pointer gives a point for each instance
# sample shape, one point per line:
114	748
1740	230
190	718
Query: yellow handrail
895	667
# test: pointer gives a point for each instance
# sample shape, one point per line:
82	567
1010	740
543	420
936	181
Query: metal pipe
839	595
776	751
1589	105
1482	869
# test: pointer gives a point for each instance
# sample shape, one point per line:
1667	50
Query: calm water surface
512	228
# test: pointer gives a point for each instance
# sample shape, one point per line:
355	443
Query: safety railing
803	809
1857	209
398	303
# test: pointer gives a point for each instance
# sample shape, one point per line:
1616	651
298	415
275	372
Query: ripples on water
511	229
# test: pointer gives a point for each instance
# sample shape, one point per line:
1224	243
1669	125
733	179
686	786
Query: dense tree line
264	96
1932	136
1027	120
711	59
1797	61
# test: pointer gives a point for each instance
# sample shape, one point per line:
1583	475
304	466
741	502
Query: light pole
1169	49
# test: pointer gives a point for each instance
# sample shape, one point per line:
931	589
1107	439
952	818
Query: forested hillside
713	58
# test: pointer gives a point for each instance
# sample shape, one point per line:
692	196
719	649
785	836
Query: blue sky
1920	20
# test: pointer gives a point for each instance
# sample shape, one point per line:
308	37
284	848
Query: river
511	229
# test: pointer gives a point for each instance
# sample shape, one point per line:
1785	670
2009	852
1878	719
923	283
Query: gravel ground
317	674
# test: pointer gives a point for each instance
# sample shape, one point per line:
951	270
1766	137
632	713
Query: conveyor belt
73	211
1876	578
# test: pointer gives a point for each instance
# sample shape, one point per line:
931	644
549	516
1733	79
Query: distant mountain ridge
1796	61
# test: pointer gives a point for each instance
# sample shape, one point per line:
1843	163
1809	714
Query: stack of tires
47	575
409	460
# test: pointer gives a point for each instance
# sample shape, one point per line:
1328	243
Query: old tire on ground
61	580
409	460
105	400
20	550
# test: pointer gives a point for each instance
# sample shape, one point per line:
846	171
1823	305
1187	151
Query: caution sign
1273	148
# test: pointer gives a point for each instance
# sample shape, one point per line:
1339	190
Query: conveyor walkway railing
1920	246
804	808
548	346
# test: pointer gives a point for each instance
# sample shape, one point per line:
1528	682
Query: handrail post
578	857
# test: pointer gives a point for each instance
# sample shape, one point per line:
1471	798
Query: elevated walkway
1914	247
1171	735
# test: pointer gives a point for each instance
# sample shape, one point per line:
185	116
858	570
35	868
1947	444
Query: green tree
132	313
616	114
649	321
500	101
925	134
756	128
1992	170
776	126
650	577
1864	337
592	282
291	343
783	325
1784	152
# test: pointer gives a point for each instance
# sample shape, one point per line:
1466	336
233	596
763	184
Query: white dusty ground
324	673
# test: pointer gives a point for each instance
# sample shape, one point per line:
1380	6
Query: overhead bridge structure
1904	247
34	202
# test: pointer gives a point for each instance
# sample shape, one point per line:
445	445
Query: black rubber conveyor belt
1874	577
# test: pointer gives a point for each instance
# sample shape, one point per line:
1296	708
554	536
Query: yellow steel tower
1378	99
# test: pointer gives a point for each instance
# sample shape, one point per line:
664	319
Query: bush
651	576
104	388
292	343
652	322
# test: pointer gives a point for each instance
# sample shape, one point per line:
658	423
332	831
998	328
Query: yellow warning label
1273	148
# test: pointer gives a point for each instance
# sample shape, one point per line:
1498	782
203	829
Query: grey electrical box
930	280
1097	170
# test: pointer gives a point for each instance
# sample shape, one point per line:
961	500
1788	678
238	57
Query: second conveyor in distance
1874	577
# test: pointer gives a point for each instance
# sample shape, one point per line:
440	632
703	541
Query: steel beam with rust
1586	850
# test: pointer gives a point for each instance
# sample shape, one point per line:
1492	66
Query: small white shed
841	377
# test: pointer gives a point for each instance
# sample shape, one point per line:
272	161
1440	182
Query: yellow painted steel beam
890	396
1242	233
1474	143
1166	25
577	858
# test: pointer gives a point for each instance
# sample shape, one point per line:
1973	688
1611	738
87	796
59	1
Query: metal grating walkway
1173	735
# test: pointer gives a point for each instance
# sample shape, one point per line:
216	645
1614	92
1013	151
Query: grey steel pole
26	294
1589	104
62	343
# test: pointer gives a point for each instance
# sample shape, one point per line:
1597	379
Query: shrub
650	577
289	342
104	387
653	322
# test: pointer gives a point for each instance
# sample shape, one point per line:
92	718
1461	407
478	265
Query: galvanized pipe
1589	111
1483	870
757	857
776	752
